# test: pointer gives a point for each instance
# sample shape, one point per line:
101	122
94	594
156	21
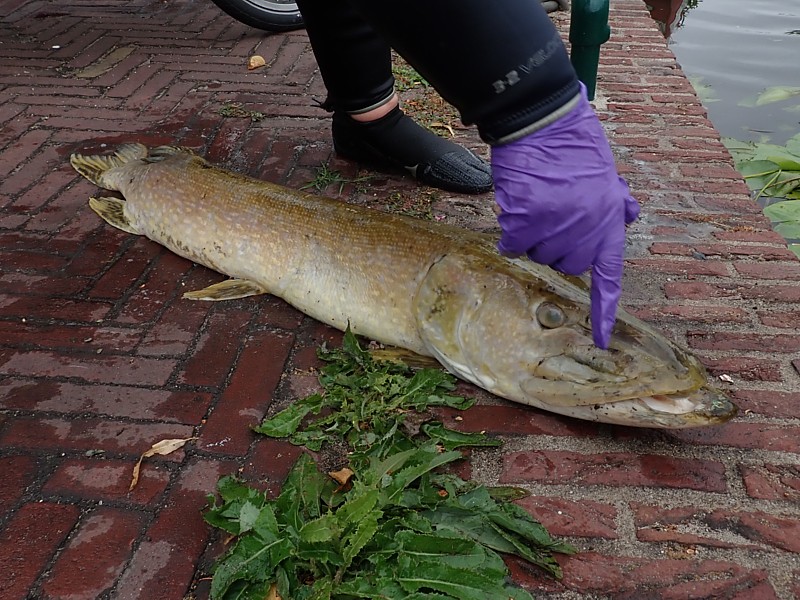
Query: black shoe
396	142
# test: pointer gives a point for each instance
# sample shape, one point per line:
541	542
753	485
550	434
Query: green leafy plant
236	110
773	171
326	176
398	527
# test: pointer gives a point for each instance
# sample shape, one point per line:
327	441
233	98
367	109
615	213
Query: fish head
523	332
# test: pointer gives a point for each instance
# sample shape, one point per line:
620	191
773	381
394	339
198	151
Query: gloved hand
563	204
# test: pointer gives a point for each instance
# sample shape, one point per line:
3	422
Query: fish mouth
583	375
703	407
642	380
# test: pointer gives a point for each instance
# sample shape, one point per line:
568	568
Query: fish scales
517	329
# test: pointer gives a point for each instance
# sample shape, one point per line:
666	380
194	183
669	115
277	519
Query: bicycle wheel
269	15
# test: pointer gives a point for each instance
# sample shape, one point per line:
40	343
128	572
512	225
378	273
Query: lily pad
703	90
782	212
789	230
770	95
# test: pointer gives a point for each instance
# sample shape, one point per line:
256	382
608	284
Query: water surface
732	50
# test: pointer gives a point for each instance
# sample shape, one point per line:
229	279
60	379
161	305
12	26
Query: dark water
732	50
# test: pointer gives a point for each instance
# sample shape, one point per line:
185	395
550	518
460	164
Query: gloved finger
631	209
607	286
631	205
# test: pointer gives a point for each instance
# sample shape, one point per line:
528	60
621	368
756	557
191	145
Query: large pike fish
512	327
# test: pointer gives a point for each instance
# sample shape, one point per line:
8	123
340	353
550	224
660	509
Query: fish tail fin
112	211
94	167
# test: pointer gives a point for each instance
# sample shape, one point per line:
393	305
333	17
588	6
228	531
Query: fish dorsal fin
163	152
93	167
229	289
112	211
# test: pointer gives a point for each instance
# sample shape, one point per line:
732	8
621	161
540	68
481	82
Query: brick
87	338
724	250
164	562
579	518
106	479
712	171
96	368
516	420
15	154
749	369
31	262
770	403
749	342
755	251
94	556
248	395
151	296
40	307
125	272
217	348
776	438
30	538
269	462
718	528
175	330
100	252
694	313
734	204
695	290
775	293
681	267
315	336
178	326
613	469
18	473
633	578
91	434
112	400
36	197
789	319
772	482
274	312
750	236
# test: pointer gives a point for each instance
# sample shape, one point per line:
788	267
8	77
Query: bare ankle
376	113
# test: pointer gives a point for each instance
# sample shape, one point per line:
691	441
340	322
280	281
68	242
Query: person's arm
503	65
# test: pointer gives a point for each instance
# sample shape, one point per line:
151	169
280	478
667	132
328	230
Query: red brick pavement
100	358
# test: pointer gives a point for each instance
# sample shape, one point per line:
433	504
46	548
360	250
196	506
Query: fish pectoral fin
230	289
406	357
112	211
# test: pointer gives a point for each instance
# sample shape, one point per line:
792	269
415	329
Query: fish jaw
701	408
523	333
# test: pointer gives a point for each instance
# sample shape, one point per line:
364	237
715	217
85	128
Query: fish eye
550	316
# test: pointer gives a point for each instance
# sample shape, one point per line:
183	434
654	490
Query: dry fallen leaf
444	126
342	476
273	593
255	61
163	448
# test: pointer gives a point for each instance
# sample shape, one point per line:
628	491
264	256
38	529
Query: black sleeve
501	63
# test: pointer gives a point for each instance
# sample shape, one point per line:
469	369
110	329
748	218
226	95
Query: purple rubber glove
563	204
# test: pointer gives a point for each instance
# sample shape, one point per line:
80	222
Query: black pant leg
354	60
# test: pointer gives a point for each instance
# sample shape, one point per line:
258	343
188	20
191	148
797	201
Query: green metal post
588	29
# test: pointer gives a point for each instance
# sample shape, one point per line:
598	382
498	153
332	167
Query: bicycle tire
269	15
